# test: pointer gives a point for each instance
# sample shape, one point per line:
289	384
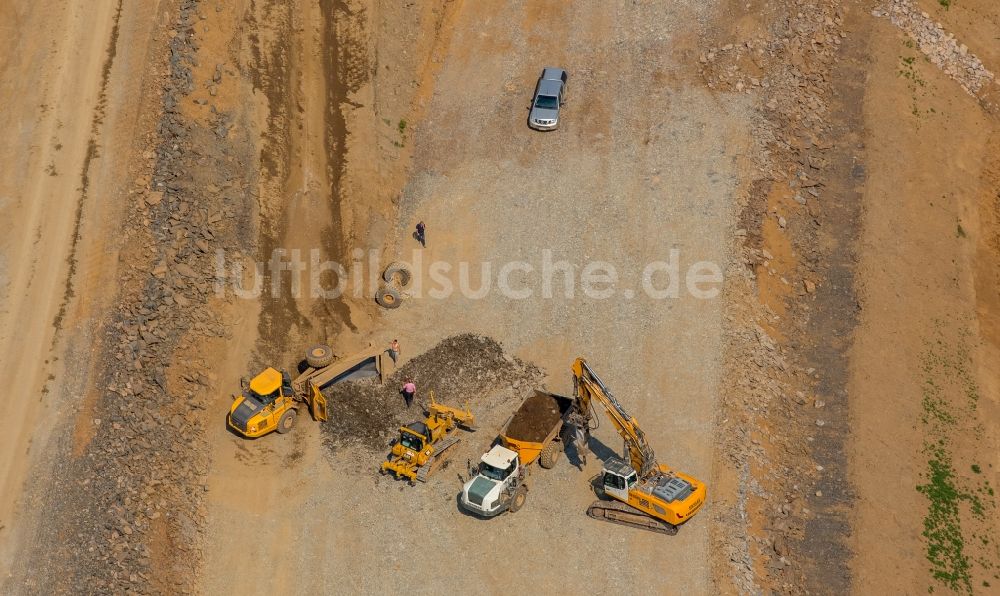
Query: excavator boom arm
589	387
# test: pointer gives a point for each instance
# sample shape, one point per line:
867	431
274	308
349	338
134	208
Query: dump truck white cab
497	484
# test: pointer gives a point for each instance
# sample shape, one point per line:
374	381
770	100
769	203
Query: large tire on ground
550	455
319	356
397	274
517	501
388	297
287	421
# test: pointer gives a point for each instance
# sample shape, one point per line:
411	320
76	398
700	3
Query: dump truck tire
388	297
517	501
550	455
319	356
397	274
287	421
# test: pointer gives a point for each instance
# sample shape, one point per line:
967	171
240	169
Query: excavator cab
619	478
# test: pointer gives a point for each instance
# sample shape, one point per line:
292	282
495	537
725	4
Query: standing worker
409	389
394	351
422	234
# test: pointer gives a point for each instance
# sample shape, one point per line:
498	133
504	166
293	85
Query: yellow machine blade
317	404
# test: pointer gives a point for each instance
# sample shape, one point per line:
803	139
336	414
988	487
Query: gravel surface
636	171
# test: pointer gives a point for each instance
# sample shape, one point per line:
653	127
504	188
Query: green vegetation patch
954	552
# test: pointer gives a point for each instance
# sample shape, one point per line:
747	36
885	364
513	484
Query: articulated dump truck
272	400
499	482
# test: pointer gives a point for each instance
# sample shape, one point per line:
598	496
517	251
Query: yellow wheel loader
272	400
423	447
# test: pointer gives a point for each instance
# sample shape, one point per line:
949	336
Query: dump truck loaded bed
537	416
535	424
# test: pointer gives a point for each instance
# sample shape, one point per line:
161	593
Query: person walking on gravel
422	234
394	351
409	389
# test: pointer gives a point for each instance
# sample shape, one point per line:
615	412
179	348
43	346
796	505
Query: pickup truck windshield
548	102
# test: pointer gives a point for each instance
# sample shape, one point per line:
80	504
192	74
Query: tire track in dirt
827	338
92	153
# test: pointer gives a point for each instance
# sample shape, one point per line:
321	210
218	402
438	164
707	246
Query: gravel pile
462	369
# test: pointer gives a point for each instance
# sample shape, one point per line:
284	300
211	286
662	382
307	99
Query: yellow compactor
424	446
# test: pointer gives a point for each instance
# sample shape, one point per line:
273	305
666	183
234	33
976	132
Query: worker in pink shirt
409	389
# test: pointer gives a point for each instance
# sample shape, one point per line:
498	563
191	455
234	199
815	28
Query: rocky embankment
775	421
126	514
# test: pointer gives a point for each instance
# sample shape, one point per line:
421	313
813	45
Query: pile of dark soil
461	369
536	417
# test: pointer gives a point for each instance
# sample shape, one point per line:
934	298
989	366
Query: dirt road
68	125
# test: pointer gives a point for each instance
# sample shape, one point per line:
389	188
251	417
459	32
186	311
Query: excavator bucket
317	403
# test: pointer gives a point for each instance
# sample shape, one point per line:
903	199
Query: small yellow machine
272	399
424	447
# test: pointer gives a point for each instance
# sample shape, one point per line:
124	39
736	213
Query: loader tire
319	356
550	455
287	421
397	274
517	501
388	297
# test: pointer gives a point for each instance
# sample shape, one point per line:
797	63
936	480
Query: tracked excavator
640	492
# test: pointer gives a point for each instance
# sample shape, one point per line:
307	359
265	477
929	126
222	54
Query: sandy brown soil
840	395
834	471
534	418
72	117
925	374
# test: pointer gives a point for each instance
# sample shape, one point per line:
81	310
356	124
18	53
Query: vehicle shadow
595	446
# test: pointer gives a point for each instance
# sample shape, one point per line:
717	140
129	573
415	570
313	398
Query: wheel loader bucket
317	403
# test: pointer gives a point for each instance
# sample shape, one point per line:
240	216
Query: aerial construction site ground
772	227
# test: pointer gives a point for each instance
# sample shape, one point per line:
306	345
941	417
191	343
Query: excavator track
442	451
617	512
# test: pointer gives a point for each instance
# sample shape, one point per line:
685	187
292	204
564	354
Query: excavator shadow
598	449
